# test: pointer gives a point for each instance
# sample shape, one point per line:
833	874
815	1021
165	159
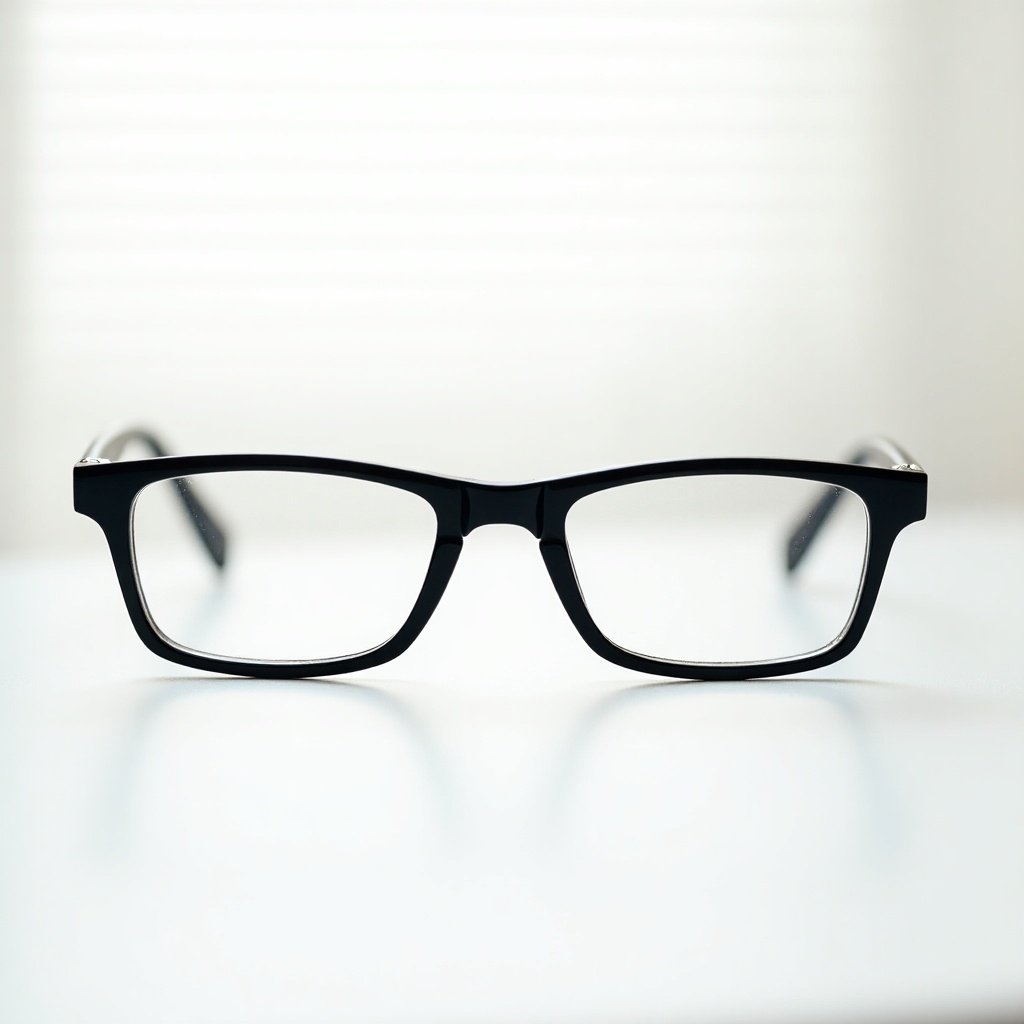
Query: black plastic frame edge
106	492
878	451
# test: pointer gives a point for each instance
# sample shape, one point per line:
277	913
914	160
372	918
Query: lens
317	567
693	569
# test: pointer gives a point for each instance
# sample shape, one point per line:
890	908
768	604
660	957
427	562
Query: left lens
318	566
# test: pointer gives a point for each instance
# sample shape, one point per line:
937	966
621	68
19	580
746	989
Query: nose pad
502	505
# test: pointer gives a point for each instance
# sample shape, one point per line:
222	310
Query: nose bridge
507	504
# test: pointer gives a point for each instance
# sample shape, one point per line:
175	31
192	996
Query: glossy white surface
501	827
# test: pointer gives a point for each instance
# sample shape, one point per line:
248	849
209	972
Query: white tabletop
499	826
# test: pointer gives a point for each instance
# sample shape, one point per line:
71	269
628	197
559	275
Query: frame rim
105	491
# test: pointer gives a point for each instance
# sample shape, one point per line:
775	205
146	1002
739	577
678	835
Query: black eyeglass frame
106	490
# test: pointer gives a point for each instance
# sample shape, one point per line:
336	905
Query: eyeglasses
287	565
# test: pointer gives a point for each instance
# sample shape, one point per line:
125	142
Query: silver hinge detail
912	467
92	462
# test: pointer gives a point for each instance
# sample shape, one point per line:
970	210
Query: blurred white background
510	239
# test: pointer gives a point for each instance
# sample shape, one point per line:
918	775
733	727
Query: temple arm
109	448
878	451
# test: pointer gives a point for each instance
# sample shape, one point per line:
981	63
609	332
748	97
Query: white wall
511	239
10	264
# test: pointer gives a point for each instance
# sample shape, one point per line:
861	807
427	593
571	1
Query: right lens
693	568
318	566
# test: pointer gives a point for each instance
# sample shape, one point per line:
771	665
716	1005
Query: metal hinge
911	467
92	462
